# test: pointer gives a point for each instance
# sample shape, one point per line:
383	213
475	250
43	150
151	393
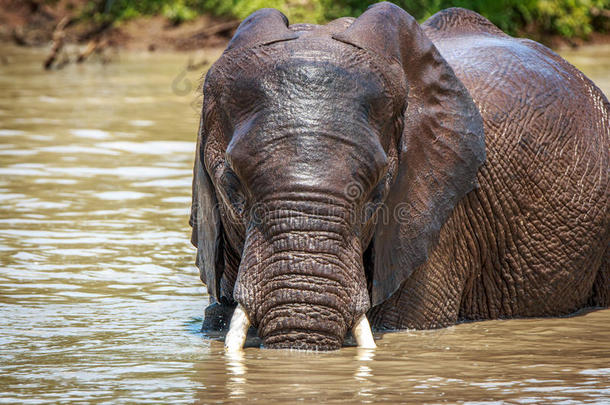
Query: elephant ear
442	145
207	233
262	27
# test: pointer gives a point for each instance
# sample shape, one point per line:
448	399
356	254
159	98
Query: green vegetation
569	18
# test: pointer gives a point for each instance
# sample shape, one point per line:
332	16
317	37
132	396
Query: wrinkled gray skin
420	174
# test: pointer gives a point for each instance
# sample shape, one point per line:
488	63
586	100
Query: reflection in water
236	370
364	372
100	301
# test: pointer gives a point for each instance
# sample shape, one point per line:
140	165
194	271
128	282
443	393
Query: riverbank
39	23
34	23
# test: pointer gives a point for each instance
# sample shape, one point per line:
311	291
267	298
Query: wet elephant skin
421	174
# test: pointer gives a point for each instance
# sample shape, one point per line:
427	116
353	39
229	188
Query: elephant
377	173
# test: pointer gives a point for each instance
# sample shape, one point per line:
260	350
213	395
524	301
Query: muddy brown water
100	301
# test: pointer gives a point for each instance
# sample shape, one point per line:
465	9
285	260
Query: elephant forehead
304	104
305	74
305	91
306	139
305	151
311	70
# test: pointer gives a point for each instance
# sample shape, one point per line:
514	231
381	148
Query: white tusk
362	333
238	330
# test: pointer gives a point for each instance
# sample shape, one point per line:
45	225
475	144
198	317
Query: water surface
100	301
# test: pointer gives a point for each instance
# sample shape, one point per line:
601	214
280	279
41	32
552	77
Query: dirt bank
36	23
33	23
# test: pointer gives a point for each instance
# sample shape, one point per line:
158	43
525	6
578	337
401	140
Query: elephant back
459	21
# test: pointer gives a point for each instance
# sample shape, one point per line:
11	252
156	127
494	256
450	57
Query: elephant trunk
301	280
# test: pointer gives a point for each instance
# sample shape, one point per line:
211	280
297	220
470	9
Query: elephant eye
232	189
377	197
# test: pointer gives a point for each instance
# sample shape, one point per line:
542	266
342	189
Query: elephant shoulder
457	21
496	67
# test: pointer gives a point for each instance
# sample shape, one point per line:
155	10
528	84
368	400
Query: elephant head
328	159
